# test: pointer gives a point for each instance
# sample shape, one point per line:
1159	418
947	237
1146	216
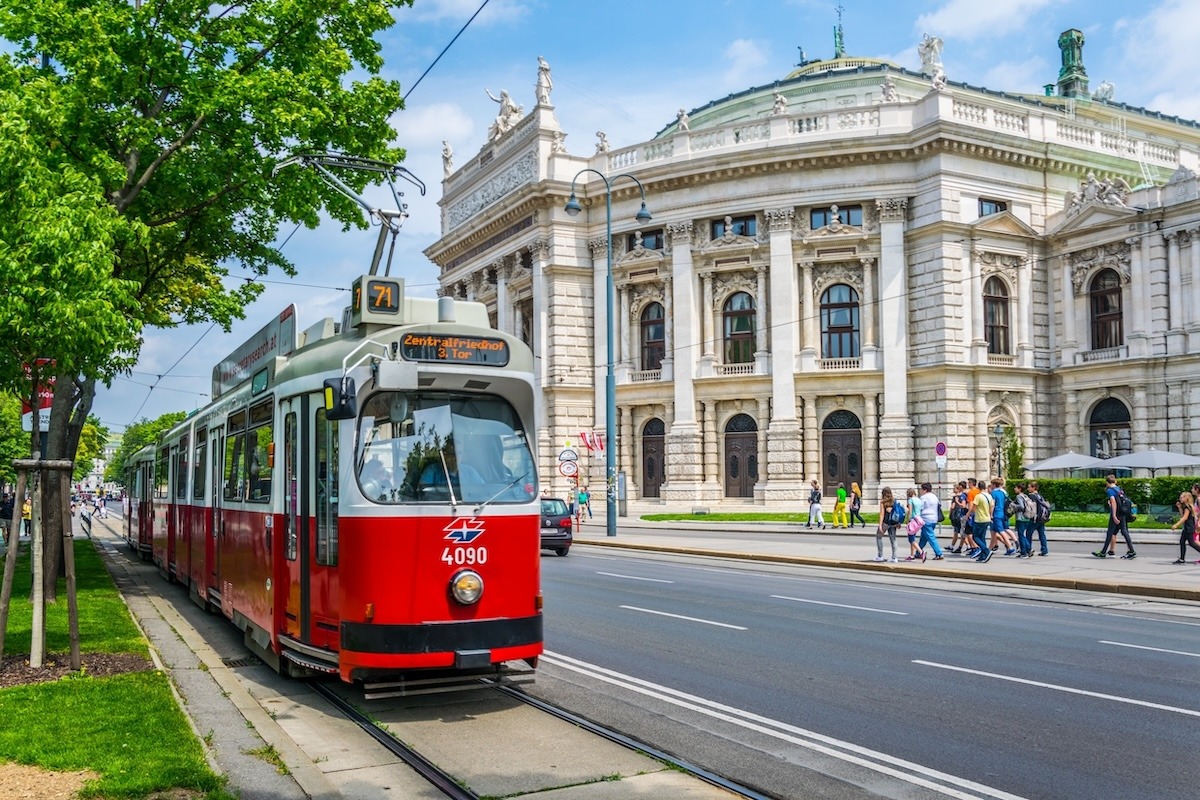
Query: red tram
361	502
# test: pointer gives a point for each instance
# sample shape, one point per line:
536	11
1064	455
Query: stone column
870	352
599	252
1025	426
783	433
978	336
870	463
683	440
502	304
623	334
1139	424
764	472
1075	440
762	358
1176	314
708	357
668	363
983	436
1070	312
812	466
1138	296
895	430
539	250
627	454
1194	296
810	311
627	326
711	436
1025	301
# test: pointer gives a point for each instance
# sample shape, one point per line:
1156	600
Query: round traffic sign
568	455
939	449
568	468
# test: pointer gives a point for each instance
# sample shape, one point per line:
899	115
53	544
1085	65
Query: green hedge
1076	494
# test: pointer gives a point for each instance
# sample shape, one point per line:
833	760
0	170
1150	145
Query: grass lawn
127	728
1060	519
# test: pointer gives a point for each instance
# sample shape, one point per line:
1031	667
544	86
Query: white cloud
1017	76
1160	47
969	19
744	60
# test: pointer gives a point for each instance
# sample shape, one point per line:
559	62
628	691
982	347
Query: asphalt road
810	683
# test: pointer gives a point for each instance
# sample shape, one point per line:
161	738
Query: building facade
844	269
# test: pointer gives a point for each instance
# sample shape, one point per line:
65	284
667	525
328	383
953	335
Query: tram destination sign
454	349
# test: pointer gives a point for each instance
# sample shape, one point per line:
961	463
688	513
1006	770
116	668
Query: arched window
739	329
1109	426
1105	302
839	322
995	316
653	336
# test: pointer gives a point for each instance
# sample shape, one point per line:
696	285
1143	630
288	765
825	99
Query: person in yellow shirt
839	508
27	517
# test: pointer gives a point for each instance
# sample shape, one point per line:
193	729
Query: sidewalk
1069	565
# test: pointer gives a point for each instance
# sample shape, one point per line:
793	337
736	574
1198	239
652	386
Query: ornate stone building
844	268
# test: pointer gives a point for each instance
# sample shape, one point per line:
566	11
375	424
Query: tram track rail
441	780
633	744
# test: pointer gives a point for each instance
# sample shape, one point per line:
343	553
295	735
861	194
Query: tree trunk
73	399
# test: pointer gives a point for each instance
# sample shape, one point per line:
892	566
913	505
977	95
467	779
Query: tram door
296	514
214	523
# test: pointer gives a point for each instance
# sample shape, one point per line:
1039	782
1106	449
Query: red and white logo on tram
464	530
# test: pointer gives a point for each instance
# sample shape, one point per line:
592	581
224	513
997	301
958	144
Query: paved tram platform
236	707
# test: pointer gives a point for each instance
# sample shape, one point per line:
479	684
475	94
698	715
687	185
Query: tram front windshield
441	447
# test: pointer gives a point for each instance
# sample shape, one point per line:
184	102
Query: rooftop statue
447	158
888	87
1104	92
930	50
544	82
1109	192
684	120
780	107
601	142
508	117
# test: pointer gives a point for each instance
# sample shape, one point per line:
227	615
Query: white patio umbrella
1067	461
1152	460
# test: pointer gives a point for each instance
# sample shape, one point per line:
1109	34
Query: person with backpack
1025	510
891	516
912	521
958	517
1120	508
1187	520
1041	516
814	507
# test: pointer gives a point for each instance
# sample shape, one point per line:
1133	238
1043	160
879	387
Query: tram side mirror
340	399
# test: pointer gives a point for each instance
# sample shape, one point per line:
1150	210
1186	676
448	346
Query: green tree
137	436
14	442
147	139
91	446
1014	456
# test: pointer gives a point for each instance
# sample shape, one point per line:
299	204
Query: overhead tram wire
444	49
146	399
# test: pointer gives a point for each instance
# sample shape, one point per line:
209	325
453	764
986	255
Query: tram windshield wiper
507	486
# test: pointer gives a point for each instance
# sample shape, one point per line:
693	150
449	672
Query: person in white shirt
929	515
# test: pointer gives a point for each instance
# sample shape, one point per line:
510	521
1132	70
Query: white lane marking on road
906	771
1154	649
633	577
840	605
680	616
1068	689
1150	619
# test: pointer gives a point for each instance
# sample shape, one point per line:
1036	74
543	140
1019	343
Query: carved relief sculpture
1110	192
888	87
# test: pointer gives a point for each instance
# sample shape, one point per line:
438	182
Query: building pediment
730	244
1093	214
835	232
1004	223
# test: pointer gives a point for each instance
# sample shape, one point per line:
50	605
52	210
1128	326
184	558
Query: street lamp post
998	432
610	382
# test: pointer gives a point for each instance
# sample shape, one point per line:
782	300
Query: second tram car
361	502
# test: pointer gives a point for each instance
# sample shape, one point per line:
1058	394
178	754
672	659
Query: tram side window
261	448
198	465
161	487
181	470
327	490
234	473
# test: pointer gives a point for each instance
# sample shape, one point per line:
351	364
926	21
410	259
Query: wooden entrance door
741	456
654	448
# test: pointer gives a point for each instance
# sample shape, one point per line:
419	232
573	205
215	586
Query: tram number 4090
464	556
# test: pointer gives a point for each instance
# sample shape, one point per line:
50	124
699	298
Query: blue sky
625	68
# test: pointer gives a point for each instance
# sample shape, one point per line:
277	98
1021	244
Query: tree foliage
137	436
14	442
137	148
91	446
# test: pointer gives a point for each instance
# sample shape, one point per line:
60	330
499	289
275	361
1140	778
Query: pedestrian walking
1025	512
981	510
958	517
1119	510
585	502
1040	517
839	508
7	507
913	524
1187	521
887	523
856	505
1000	515
931	509
27	517
814	507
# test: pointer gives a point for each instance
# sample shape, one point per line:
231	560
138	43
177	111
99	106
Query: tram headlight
466	587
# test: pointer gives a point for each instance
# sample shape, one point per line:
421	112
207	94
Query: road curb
1142	590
